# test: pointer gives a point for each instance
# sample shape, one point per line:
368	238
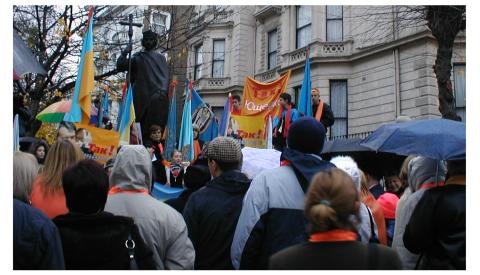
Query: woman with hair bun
330	203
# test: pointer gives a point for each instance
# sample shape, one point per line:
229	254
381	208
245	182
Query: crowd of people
308	213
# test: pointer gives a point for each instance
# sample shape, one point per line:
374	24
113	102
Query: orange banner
259	101
261	98
99	144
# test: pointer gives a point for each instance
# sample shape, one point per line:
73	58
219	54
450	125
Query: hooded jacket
421	170
272	215
161	226
211	215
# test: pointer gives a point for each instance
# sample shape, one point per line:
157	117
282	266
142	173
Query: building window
198	62
304	22
218	58
459	73
334	23
272	49
339	105
160	22
296	94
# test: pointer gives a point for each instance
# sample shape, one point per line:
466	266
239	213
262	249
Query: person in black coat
212	212
155	146
331	206
36	242
92	238
321	111
436	229
195	178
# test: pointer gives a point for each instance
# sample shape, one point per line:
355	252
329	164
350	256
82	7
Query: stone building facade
371	64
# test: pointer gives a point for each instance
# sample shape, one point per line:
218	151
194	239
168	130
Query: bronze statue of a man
149	77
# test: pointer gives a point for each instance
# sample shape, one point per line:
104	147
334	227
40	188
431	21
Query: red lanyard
334	236
115	190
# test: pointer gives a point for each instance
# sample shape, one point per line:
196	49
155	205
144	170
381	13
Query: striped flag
81	103
128	117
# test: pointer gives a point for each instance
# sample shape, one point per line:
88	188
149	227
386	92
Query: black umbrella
23	59
371	162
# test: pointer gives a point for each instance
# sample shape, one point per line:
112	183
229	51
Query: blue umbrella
440	139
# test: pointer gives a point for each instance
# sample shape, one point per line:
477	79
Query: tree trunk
443	70
445	22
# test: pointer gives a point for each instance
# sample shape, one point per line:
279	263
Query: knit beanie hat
306	135
388	201
349	166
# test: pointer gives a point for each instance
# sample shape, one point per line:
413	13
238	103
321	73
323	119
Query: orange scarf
336	235
431	184
115	190
196	149
318	114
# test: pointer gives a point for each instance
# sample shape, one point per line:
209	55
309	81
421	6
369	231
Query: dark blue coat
36	241
211	215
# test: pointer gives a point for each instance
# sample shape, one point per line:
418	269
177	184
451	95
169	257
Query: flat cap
224	149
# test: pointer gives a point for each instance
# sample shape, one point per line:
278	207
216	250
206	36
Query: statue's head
149	40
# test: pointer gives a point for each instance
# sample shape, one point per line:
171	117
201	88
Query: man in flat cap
212	212
149	77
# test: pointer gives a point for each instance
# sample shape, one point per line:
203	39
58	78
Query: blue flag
204	118
305	100
171	129
227	108
185	143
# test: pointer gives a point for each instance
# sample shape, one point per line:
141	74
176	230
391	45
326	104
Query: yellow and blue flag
128	117
81	103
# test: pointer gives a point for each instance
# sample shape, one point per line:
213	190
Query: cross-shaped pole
130	25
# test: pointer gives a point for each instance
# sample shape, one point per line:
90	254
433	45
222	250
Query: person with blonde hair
332	199
47	191
25	169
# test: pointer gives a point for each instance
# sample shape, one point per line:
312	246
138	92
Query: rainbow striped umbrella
54	113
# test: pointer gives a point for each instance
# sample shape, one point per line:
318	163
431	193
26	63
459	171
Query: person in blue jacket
36	241
281	123
272	215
